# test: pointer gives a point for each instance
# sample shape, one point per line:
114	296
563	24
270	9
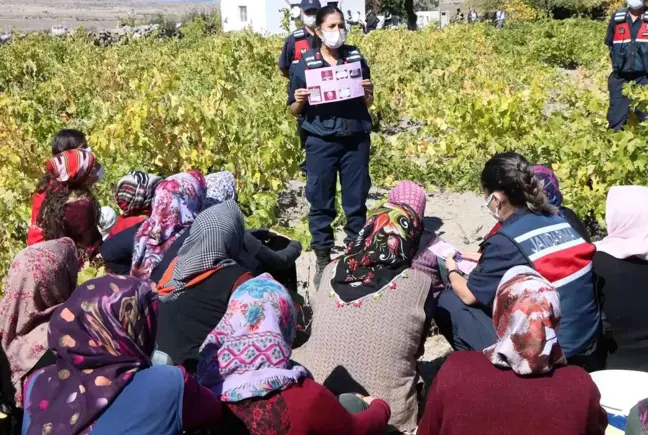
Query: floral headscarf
248	353
102	336
177	202
526	315
221	187
383	249
134	193
550	184
41	278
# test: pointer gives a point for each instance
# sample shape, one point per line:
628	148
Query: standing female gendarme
337	137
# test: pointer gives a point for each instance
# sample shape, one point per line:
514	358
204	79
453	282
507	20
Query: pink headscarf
526	315
626	216
410	193
41	278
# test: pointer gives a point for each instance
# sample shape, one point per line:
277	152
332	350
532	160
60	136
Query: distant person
372	21
621	263
472	16
500	18
628	51
522	383
459	17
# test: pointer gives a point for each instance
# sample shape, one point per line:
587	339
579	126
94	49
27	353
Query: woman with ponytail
337	136
533	234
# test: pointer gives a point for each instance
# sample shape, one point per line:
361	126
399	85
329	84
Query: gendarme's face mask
334	38
488	202
635	4
309	20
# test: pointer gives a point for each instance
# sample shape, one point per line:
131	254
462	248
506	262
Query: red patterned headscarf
72	166
526	316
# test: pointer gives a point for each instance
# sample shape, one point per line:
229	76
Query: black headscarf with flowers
383	249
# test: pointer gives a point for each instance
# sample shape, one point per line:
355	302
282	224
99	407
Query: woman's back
625	290
472	396
369	345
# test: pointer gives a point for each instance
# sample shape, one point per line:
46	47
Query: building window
243	14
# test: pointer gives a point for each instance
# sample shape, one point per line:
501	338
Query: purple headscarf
550	184
248	353
102	335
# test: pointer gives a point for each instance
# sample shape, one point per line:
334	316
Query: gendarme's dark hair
513	174
320	17
68	139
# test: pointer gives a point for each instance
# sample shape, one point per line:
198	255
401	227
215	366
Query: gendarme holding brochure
331	89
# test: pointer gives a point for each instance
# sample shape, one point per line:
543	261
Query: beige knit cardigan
370	343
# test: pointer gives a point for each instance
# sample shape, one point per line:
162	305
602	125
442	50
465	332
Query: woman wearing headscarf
103	381
264	251
197	286
134	195
41	278
521	384
621	263
64	140
69	209
176	203
351	349
246	361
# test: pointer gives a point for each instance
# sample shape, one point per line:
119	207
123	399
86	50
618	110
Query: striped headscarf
221	187
73	166
134	193
526	315
215	240
176	203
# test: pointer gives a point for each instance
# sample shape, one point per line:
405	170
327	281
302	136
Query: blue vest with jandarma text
629	55
563	258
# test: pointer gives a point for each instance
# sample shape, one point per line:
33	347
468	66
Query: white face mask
635	4
495	214
309	20
334	39
87	149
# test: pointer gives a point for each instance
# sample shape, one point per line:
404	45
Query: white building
264	16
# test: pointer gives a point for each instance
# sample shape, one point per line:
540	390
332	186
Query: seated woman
103	381
134	196
531	234
521	384
41	278
246	361
64	140
351	349
621	264
176	203
69	209
197	285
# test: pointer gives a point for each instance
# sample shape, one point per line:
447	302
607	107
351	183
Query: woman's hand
368	86
451	264
471	256
301	95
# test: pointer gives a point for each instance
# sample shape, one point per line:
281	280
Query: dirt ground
460	219
92	14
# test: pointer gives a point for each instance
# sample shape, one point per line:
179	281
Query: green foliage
214	102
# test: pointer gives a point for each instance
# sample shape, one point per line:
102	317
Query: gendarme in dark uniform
301	40
337	141
628	42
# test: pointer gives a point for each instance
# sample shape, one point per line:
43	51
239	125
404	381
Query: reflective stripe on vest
314	60
301	45
556	250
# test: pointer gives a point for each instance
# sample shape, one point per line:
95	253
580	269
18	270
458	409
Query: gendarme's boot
323	258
